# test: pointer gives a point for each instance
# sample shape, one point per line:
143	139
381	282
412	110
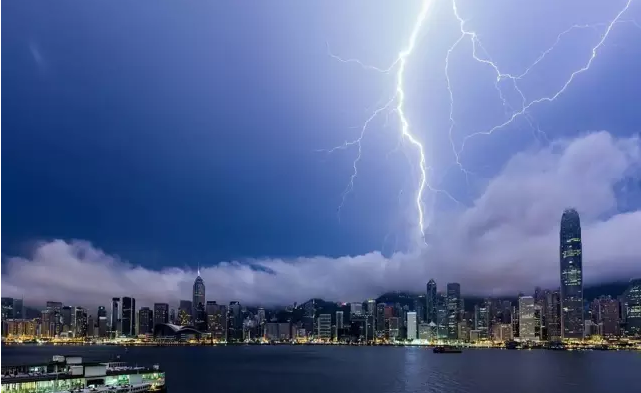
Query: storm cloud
506	242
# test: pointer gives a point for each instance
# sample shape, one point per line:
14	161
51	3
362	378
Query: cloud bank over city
506	242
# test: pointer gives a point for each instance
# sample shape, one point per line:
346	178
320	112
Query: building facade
571	261
453	307
527	320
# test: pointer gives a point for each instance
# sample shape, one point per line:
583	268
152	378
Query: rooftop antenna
198	268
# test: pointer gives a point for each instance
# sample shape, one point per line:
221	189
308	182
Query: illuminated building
419	307
504	332
412	325
128	320
426	331
605	314
371	307
453	307
552	312
441	316
80	322
632	307
114	322
430	302
145	320
198	297
20	327
481	319
325	327
185	310
217	320
526	318
380	320
339	324
571	258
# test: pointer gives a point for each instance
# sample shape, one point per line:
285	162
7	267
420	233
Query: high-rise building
453	307
198	297
325	327
632	308
235	322
161	313
419	307
356	308
80	323
66	315
430	302
102	322
605	314
55	318
526	318
412	325
552	314
91	326
200	318
128	320
114	322
371	307
441	316
571	259
380	320
145	321
339	320
481	319
394	328
185	310
217	320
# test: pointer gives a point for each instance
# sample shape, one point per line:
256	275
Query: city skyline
207	145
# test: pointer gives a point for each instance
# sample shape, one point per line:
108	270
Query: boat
71	374
447	349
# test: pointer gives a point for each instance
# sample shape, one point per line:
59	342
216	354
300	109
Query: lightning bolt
500	75
399	98
396	103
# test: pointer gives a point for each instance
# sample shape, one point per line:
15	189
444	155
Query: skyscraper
632	303
161	313
115	316
453	307
79	322
216	320
571	260
185	311
527	319
198	297
553	315
145	321
412	326
128	325
430	302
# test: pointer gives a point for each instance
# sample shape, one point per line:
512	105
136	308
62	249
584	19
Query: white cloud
506	242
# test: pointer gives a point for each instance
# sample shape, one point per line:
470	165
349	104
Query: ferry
447	349
69	374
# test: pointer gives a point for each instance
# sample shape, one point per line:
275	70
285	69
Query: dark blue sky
171	134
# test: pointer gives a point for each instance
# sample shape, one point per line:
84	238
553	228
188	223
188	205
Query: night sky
141	140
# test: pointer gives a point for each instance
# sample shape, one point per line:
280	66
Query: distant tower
571	260
430	302
198	295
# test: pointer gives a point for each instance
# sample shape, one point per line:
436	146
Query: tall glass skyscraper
571	260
